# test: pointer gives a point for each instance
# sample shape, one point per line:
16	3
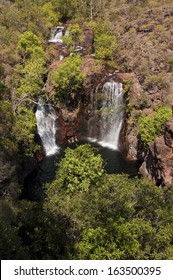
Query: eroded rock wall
158	164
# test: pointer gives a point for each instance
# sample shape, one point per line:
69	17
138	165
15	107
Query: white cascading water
57	34
46	117
111	113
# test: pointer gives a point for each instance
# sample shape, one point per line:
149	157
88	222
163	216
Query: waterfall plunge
57	34
108	106
45	116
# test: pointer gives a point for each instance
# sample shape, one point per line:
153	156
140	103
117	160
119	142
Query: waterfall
112	112
45	116
57	34
108	105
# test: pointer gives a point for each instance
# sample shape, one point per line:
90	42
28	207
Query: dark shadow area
33	187
115	163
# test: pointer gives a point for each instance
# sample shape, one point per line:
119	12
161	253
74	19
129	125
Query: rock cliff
158	164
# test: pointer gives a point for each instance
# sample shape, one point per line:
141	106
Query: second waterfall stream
46	127
107	119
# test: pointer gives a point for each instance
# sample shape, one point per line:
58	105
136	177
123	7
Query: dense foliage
75	36
105	46
115	218
105	42
68	76
150	126
33	57
80	170
121	218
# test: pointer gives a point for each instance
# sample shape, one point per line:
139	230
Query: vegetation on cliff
68	77
80	170
151	126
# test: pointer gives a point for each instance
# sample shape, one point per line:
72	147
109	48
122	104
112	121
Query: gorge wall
100	111
147	81
139	97
158	164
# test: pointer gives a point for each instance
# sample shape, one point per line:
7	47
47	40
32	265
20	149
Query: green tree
119	240
66	8
32	81
75	36
7	120
28	43
50	14
81	169
106	46
37	16
11	246
91	9
68	77
121	218
105	42
27	84
24	130
10	243
29	78
151	126
44	235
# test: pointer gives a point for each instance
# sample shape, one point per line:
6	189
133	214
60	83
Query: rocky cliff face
158	164
147	79
73	122
68	125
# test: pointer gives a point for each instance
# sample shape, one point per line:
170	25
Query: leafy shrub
68	76
99	27
68	41
66	8
27	42
75	36
76	32
151	126
24	131
80	169
30	77
127	84
111	242
106	46
106	43
51	16
11	244
156	80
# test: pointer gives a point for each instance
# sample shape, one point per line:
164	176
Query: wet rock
68	124
124	145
